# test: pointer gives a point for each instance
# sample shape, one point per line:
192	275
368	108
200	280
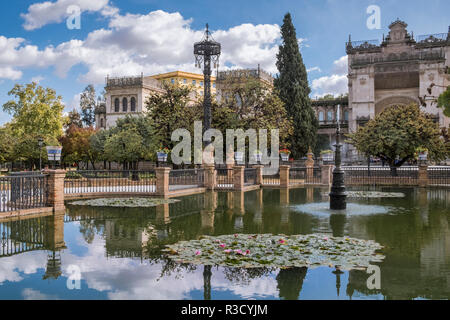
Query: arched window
116	105
124	105
330	116
346	115
101	123
133	104
321	116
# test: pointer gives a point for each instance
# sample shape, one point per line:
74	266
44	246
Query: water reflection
119	250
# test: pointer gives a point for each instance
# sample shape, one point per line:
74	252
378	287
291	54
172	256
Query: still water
117	252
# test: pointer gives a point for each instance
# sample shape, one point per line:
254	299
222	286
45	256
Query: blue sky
120	37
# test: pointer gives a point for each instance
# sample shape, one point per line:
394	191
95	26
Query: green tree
171	110
396	134
7	142
293	89
251	105
77	147
37	113
444	101
73	118
124	146
87	103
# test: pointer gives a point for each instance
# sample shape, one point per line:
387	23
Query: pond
117	252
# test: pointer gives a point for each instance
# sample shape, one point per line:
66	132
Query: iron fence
23	191
439	176
381	175
22	236
185	178
315	177
297	176
224	178
110	181
249	176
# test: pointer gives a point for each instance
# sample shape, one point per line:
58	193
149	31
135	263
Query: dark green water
117	251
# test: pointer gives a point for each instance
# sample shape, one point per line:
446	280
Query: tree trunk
393	171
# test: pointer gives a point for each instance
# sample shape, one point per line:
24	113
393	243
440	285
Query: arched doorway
392	101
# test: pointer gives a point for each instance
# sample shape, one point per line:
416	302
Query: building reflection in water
416	236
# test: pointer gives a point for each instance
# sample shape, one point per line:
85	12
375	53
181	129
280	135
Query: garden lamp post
40	143
338	196
207	52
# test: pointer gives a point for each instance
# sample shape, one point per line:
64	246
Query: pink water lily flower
227	251
238	251
222	245
325	238
282	241
198	252
235	235
247	252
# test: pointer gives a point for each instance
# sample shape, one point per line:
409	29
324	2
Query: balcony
331	124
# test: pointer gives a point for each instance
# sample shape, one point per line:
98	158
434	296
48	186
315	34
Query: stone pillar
162	181
284	176
210	177
423	175
55	188
238	178
230	172
207	214
309	167
259	174
327	173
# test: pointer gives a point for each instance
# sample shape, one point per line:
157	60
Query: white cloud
42	13
314	69
133	43
37	79
341	65
335	84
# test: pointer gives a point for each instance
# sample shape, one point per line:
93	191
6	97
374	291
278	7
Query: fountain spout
338	196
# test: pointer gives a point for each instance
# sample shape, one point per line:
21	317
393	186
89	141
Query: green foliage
444	101
171	110
251	105
73	118
124	146
397	133
131	140
293	89
7	142
37	113
76	145
87	104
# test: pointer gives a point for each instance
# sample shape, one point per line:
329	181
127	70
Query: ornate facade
399	70
127	95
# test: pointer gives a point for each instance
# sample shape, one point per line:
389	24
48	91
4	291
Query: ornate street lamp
207	52
338	196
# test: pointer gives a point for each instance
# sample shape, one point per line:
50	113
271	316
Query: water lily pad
280	251
372	194
124	202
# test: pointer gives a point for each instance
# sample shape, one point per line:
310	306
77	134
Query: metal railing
432	38
224	178
249	176
24	191
438	176
22	236
108	181
186	178
381	175
297	175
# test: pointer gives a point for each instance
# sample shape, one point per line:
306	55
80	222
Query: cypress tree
293	89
